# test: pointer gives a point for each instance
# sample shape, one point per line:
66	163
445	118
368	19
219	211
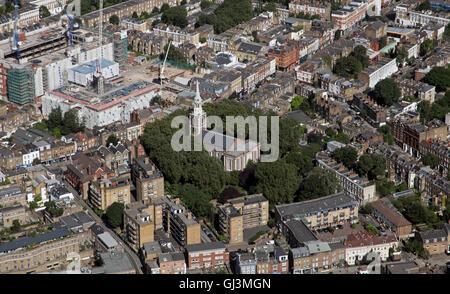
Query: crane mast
163	67
70	25
99	71
16	34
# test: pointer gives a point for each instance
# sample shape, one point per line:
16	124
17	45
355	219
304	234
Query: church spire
198	99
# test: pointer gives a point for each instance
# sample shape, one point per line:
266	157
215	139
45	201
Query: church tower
197	118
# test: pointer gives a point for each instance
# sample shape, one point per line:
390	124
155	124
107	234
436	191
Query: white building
84	74
359	245
383	69
101	110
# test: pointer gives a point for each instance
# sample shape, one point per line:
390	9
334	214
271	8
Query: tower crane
16	34
70	25
99	70
163	67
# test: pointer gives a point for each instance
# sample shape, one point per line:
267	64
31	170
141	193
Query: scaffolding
20	86
120	45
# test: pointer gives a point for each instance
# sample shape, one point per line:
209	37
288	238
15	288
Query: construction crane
70	25
163	67
16	34
100	43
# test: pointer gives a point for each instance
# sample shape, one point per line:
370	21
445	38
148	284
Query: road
130	253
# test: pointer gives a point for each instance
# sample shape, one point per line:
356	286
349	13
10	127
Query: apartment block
386	213
438	148
319	213
140	220
12	195
177	34
410	134
242	213
9	214
172	263
42	252
180	223
311	8
360	244
316	256
206	255
384	68
434	241
149	181
360	189
105	191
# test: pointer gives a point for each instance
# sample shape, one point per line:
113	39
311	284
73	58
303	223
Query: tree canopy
387	92
431	159
437	110
229	14
114	214
439	77
43	12
114	19
348	67
278	181
346	155
371	165
112	139
196	201
319	182
387	134
59	125
176	16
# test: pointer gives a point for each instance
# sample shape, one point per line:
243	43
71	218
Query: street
130	253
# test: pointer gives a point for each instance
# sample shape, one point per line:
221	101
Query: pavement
129	252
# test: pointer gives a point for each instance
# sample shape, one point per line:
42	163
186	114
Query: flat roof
305	208
108	240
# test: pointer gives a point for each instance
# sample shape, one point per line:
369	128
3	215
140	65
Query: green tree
387	134
135	15
176	16
431	160
371	165
319	182
114	214
370	228
43	12
447	32
301	160
346	155
439	77
164	7
202	40
278	181
174	54
196	201
365	209
16	227
114	19
55	118
425	5
402	54
384	187
348	67
426	47
387	92
297	102
360	53
205	4
36	161
54	210
112	139
337	35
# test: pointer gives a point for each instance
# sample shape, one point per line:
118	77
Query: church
224	147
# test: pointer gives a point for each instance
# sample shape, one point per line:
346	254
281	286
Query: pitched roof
396	218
